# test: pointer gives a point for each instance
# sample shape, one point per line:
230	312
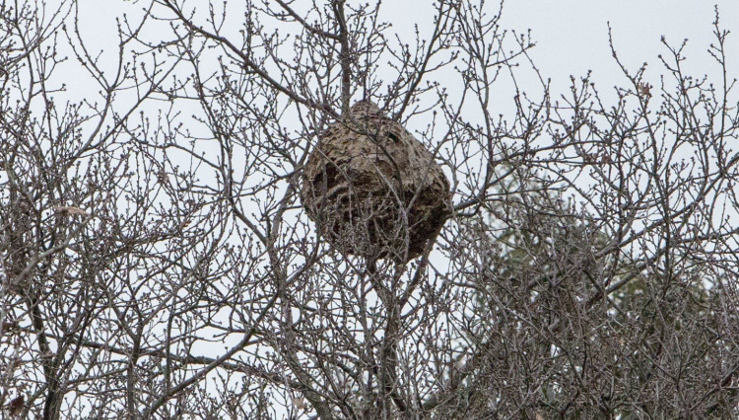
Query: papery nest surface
373	189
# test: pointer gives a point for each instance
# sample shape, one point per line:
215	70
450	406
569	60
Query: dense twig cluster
156	260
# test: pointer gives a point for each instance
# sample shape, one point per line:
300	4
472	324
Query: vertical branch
51	402
344	55
388	365
389	358
131	375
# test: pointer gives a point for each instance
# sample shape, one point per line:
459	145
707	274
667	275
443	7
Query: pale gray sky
571	35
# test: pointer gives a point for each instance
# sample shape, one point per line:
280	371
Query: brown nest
373	189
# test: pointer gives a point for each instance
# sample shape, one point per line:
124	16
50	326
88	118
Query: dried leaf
299	403
9	326
69	211
644	90
15	406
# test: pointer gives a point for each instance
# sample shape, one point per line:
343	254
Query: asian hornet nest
374	190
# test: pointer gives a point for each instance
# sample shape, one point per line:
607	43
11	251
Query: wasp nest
373	189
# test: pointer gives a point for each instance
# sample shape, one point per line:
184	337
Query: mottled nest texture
374	190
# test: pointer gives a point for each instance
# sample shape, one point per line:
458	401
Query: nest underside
378	223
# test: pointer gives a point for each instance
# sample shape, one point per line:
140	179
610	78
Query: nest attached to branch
373	189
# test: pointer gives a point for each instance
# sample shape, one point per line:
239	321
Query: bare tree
157	260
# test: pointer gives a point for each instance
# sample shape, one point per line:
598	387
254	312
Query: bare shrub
157	260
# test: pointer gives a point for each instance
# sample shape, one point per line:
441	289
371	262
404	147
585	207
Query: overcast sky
571	35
